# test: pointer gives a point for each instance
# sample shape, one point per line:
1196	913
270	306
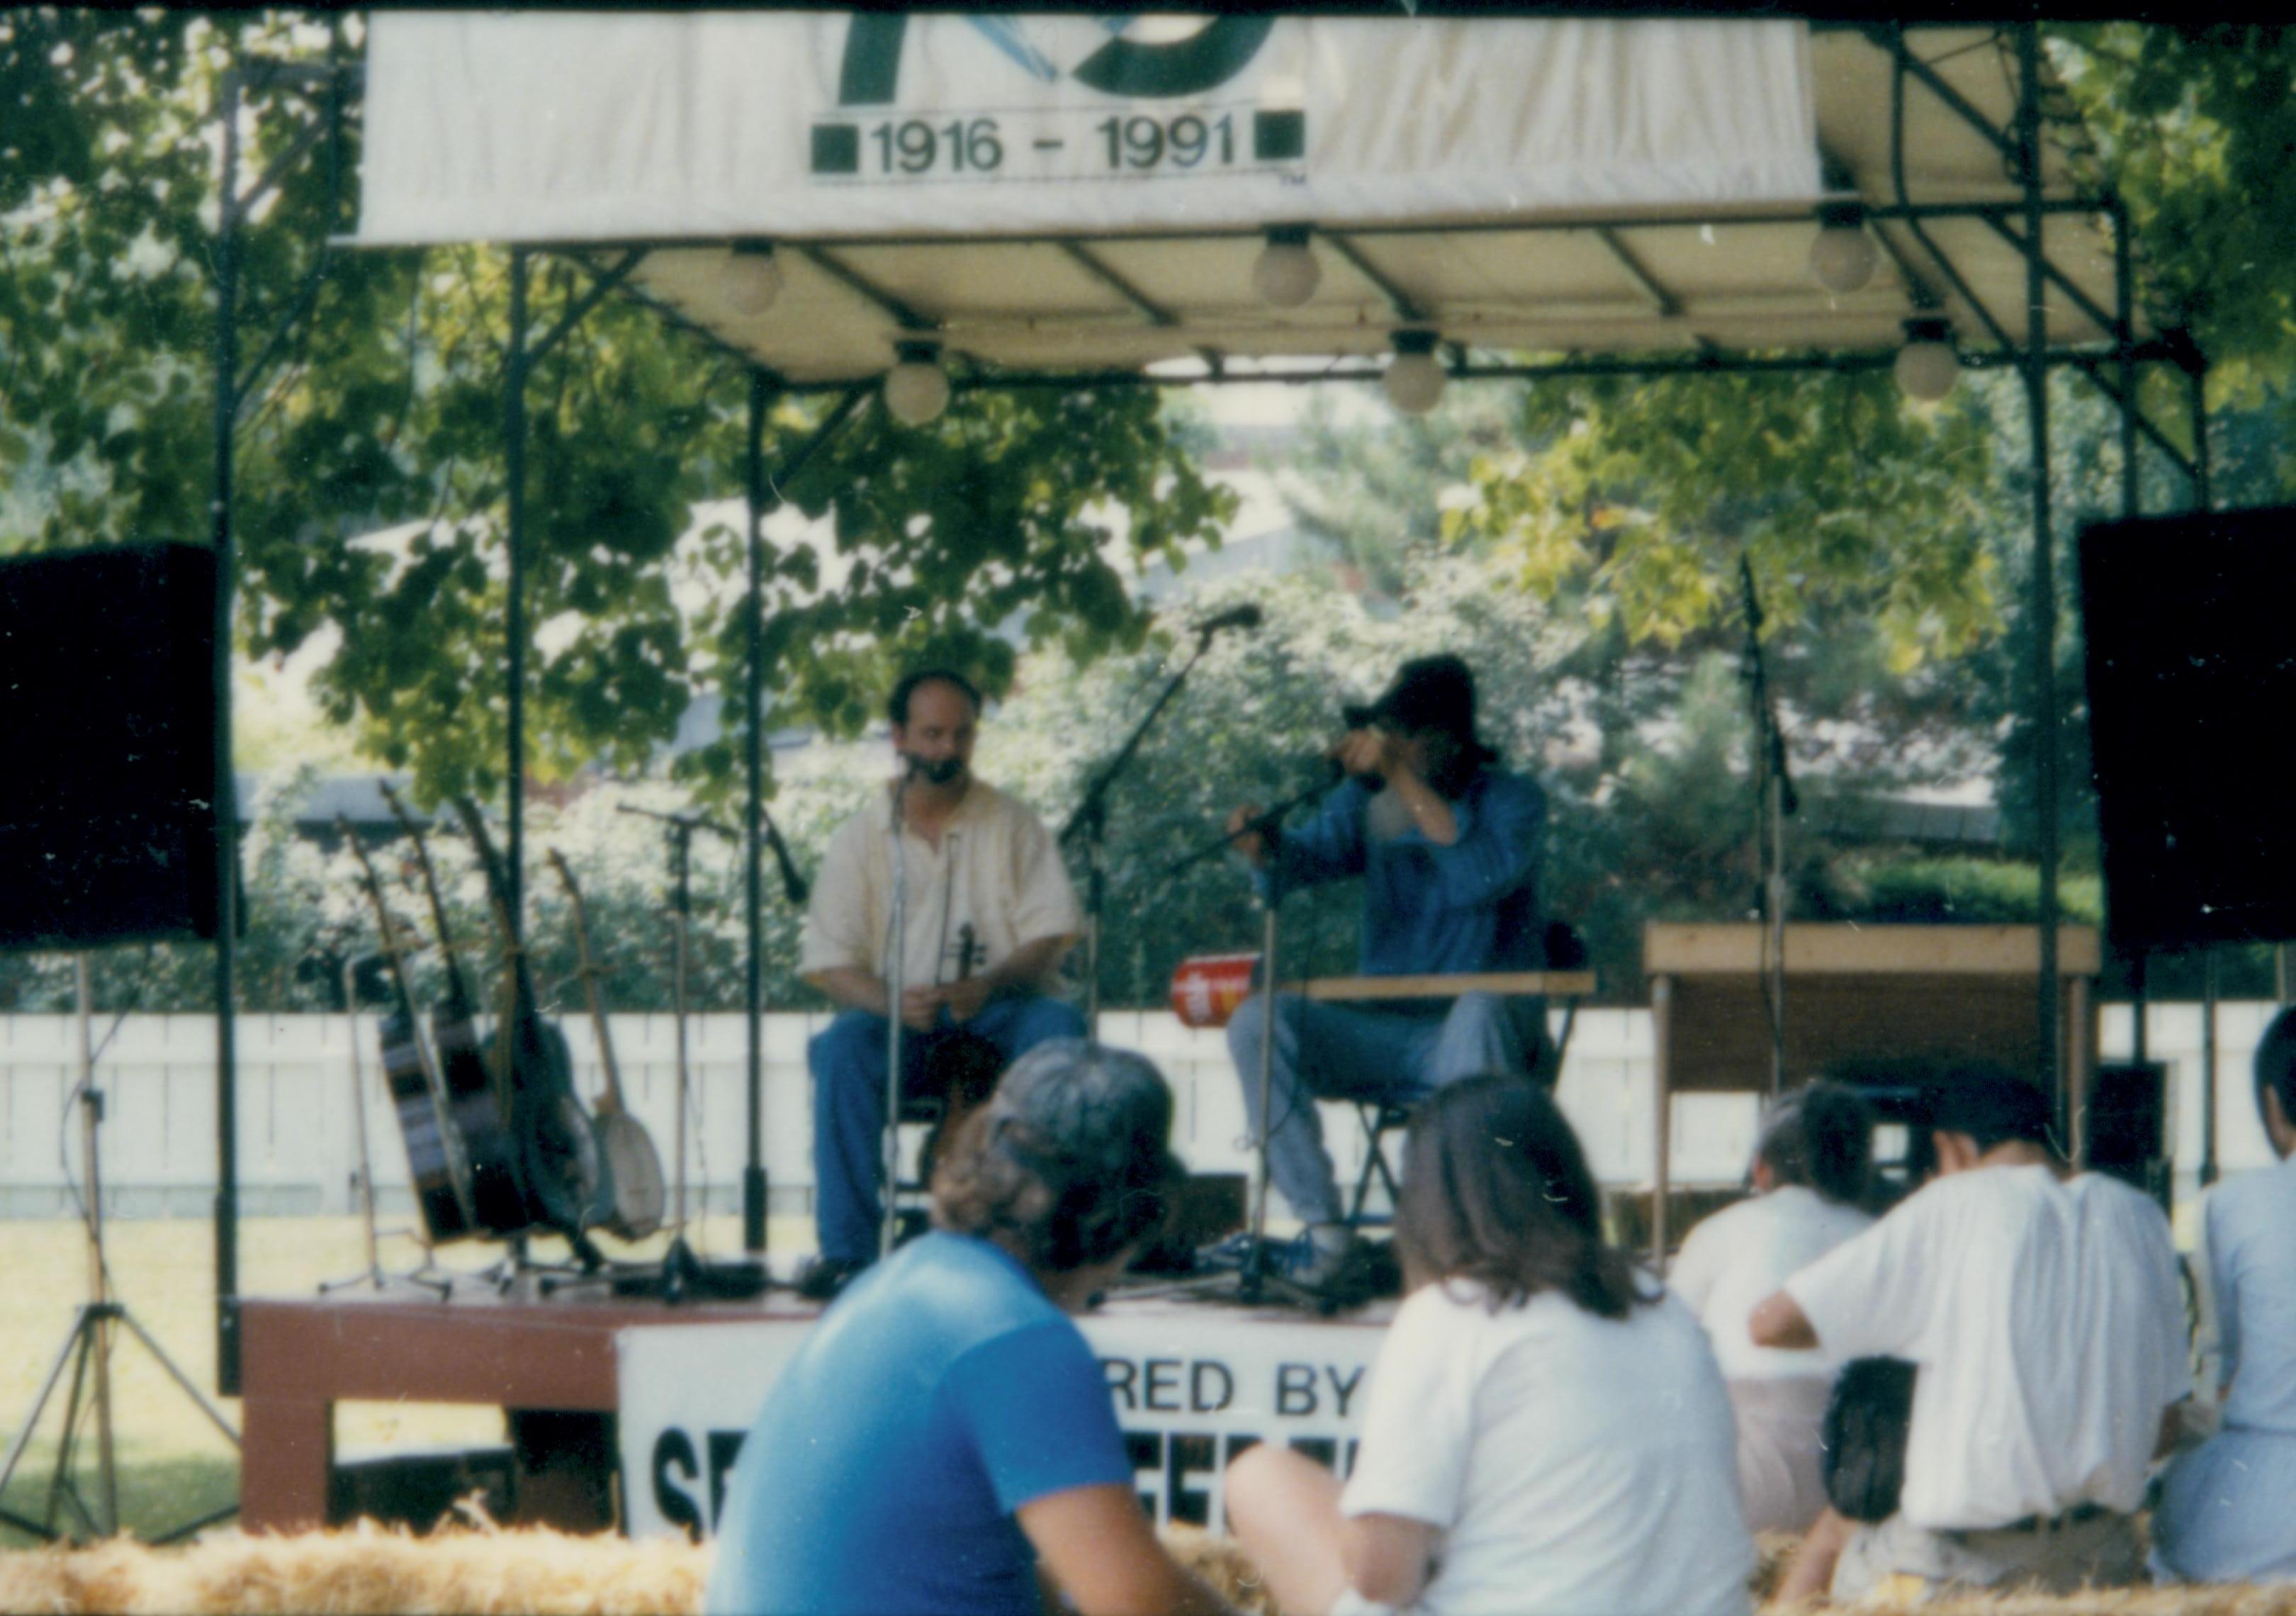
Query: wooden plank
1854	950
1718	1037
1562	984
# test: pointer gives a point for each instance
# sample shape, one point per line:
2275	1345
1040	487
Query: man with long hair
945	1431
1447	845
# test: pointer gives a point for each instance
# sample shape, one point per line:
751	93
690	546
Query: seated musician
990	915
1447	845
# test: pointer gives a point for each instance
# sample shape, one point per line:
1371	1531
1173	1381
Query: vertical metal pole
2197	396
226	805
2207	1065
2124	320
753	1174
99	1275
2045	577
514	617
681	842
1662	1116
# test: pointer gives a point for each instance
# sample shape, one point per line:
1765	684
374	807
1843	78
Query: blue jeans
1394	1058
847	1062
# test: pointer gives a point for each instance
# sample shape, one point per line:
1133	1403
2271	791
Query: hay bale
1222	1563
364	1569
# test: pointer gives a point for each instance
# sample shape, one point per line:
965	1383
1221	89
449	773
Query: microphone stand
1255	1277
1773	800
679	1259
888	1224
1091	819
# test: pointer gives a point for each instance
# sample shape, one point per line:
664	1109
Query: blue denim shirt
1472	905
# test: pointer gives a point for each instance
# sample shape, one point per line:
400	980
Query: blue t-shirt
942	1393
1472	905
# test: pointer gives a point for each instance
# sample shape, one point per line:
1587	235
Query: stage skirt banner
1191	1390
574	126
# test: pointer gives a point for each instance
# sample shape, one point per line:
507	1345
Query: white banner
1191	1388
589	126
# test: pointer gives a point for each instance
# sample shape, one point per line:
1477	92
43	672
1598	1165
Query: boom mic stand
1255	1277
87	1348
1091	816
1773	800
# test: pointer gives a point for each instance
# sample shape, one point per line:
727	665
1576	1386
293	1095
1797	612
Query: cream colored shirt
996	880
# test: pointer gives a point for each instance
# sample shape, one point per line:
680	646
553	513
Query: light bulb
1415	377
1842	257
916	390
750	279
1927	367
1286	273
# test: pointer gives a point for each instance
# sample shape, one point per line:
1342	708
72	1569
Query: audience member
2045	1316
2224	1513
945	1429
1545	1430
1812	1169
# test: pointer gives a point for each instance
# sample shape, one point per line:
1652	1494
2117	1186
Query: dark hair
896	705
2276	1062
1495	1190
1059	1205
1821	1136
1993	1108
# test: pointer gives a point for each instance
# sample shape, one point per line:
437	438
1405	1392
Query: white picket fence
298	1134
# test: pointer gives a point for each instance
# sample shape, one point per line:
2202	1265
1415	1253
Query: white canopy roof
1561	185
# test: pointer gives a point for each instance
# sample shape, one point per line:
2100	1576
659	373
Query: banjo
632	1206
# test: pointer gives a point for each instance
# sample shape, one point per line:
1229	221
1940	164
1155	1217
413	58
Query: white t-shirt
1573	1463
995	870
2048	1323
1737	1257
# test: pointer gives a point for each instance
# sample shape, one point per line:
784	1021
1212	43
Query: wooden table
299	1357
1853	992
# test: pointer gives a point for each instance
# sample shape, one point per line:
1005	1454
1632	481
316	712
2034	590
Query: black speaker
2191	629
107	746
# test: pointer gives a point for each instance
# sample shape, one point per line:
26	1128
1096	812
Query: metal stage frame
2113	367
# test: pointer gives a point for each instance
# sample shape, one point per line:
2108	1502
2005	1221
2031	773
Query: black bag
1866	1421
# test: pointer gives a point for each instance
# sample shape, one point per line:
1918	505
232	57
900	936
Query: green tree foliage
380	407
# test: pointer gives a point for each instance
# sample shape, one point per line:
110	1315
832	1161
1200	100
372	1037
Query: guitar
633	1206
478	1106
434	1144
557	1151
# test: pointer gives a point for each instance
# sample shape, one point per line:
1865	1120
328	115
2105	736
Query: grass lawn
174	1466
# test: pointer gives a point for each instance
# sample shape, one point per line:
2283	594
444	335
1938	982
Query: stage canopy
1069	193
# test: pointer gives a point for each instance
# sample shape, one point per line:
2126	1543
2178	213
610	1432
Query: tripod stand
87	1348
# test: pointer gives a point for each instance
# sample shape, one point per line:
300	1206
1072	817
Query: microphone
792	883
933	773
1246	616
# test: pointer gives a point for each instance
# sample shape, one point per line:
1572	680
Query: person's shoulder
967	1291
2245	1196
872	817
1497	783
1736	1219
991	805
2122	1202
